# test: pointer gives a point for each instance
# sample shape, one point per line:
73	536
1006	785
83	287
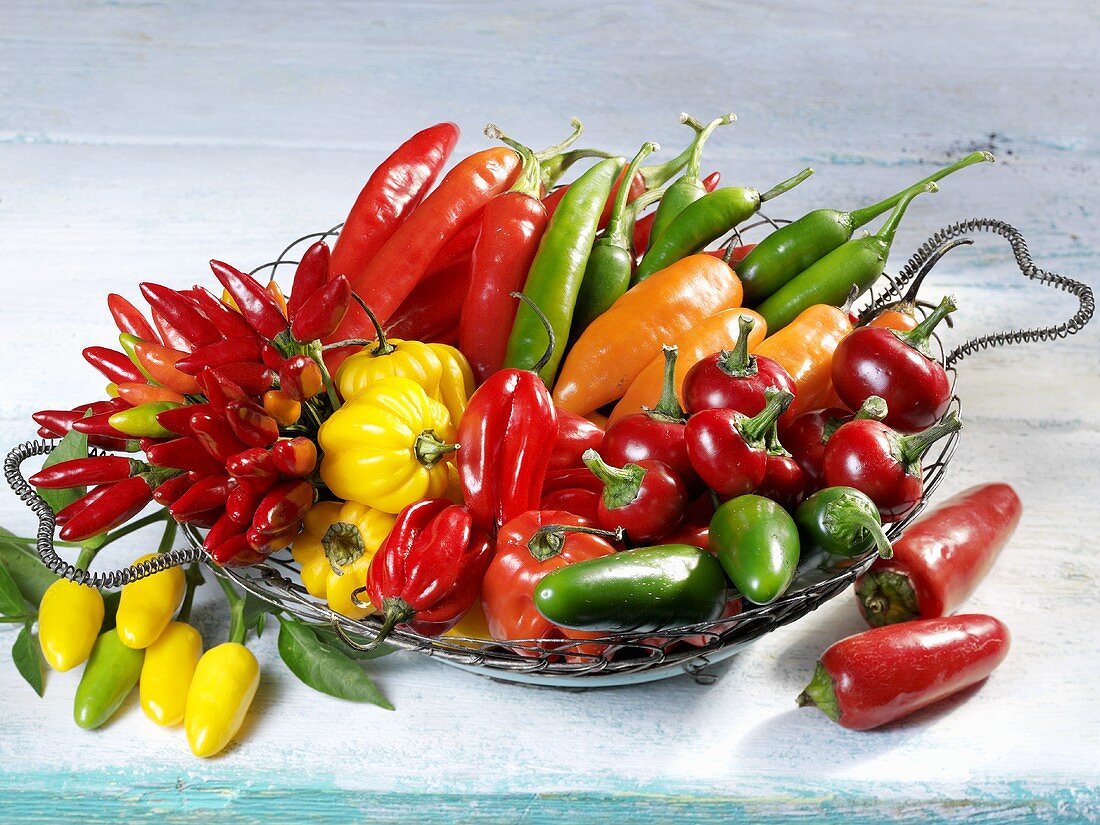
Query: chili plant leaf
12	603
32	576
255	609
325	668
329	638
28	659
73	445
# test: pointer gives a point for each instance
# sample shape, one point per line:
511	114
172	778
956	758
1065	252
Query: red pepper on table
394	190
300	378
185	453
322	313
215	436
575	435
309	277
121	502
427	573
255	468
941	557
204	495
880	675
646	499
129	319
728	449
807	435
113	365
882	463
251	423
643	227
256	304
432	310
183	315
295	457
78	472
242	349
230	324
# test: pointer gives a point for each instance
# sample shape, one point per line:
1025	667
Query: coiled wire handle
1082	291
115	578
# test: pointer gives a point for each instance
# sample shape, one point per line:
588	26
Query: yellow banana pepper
353	533
221	692
386	446
146	606
167	671
457	382
69	617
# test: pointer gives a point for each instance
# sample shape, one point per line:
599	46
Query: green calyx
549	540
343	544
668	407
873	408
754	429
620	485
821	693
154	476
887	597
737	362
909	449
430	449
854	519
529	181
918	337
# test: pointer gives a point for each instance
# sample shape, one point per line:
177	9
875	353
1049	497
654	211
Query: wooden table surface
139	139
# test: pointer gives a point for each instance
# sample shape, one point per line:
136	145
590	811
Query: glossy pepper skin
784	481
881	675
506	438
309	277
432	311
111	673
221	692
757	543
127	498
167	672
147	605
941	558
256	305
427	572
322	313
647	589
575	435
388	358
385	447
646	499
69	617
808	434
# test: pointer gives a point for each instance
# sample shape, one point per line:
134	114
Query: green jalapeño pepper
838	524
111	673
554	280
756	541
647	589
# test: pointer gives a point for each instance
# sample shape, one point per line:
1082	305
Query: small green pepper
839	523
647	589
756	541
111	673
141	421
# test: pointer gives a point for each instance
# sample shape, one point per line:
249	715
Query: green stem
886	233
553	168
919	335
614	232
695	159
873	408
668	405
754	429
430	449
558	148
237	628
193	579
787	185
822	693
133	526
529	181
737	362
659	174
87	555
620	485
910	448
384	347
316	352
34	540
887	597
551	339
549	540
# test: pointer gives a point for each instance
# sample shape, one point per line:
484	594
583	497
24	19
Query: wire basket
625	658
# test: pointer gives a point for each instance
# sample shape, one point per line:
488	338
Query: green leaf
255	609
73	445
28	659
329	638
12	603
32	576
325	668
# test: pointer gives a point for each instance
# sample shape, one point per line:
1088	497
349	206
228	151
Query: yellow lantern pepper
353	533
220	695
386	446
167	671
456	384
69	617
387	358
146	605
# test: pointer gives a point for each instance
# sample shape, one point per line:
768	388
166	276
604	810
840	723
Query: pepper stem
553	168
695	158
617	221
772	444
846	517
910	296
193	578
620	485
873	408
787	185
887	597
529	181
754	429
549	540
558	148
919	335
888	229
551	339
237	628
821	693
430	449
910	448
668	405
384	347
737	362
659	174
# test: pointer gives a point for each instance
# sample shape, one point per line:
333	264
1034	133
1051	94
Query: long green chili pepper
852	266
607	275
111	673
792	248
689	188
554	279
705	220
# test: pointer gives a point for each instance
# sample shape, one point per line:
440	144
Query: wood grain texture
138	140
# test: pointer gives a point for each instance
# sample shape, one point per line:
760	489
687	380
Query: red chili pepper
808	434
941	557
179	311
62	516
395	189
646	499
169	335
575	435
643	227
310	276
728	449
432	310
283	507
460	246
241	505
113	365
79	472
230	324
784	480
576	500
251	424
186	453
220	391
300	378
895	366
254	379
880	675
136	394
123	501
205	494
169	491
505	440
295	457
735	380
255	468
129	319
256	304
98	425
267	543
404	259
427	572
178	419
224	351
881	463
235	552
215	435
272	358
322	313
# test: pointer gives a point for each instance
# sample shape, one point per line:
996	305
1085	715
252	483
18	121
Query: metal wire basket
622	658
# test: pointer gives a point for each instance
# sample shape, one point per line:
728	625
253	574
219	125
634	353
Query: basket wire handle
1082	291
112	579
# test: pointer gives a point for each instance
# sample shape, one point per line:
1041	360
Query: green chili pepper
794	247
756	541
688	188
851	267
128	343
647	589
554	279
607	275
141	421
111	673
839	523
708	218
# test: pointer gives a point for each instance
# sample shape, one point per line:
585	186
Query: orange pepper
277	293
138	394
160	362
280	406
619	344
718	332
892	318
804	348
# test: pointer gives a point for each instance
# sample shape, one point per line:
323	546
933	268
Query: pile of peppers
531	413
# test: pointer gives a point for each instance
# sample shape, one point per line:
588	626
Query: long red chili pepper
283	507
256	304
113	365
941	557
432	310
322	312
178	419
215	435
123	501
61	518
79	472
223	351
129	319
231	324
179	311
460	246
254	468
204	495
310	276
251	423
169	335
169	491
185	453
881	675
394	190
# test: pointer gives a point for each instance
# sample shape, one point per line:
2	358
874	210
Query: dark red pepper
169	491
219	390
241	505
215	435
646	499
579	501
234	551
121	502
185	453
254	468
575	435
432	310
224	351
113	365
784	480
322	313
204	495
295	457
300	378
254	379
79	472
256	304
230	324
98	425
62	516
283	507
178	419
309	277
169	335
808	434
129	319
179	311
251	423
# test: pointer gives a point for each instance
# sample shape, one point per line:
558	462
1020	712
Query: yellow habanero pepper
167	671
146	605
353	533
456	384
221	692
385	447
388	358
69	617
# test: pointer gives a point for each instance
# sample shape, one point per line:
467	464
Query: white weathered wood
139	140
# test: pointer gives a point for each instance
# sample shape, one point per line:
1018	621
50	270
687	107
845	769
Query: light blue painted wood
138	140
